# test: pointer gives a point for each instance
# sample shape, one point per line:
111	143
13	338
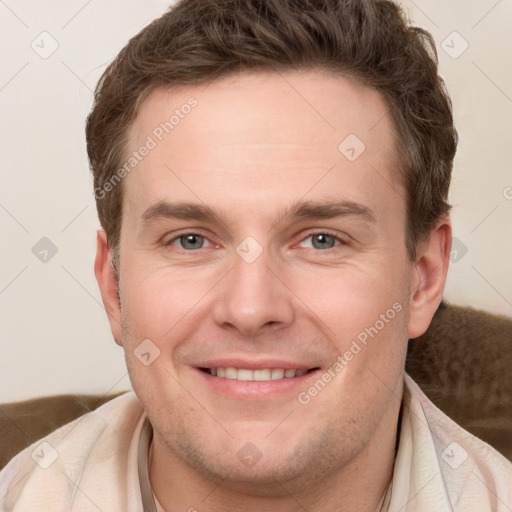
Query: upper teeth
245	374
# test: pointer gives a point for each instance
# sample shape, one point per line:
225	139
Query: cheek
155	317
350	297
363	313
153	305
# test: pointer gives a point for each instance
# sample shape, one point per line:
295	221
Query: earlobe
430	270
108	284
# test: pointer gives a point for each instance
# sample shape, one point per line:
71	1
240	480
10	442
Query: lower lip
257	390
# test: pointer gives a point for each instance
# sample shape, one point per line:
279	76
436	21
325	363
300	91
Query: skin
255	144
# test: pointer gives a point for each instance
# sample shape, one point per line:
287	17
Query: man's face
259	290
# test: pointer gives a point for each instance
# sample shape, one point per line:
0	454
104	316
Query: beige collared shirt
93	463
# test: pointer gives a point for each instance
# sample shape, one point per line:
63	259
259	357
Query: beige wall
54	334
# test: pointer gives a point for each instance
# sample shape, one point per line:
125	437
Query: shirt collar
146	436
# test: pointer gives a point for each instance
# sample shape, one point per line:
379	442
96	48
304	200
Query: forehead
326	103
263	132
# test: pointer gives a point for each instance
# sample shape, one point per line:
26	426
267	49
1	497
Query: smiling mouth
265	374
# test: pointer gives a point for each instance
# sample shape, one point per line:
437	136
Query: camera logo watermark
458	251
45	45
249	455
454	45
152	141
146	352
357	345
44	455
351	147
44	250
454	455
249	249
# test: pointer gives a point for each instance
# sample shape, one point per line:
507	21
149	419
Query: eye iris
188	240
322	238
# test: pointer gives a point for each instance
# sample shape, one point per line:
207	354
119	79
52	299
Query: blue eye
189	241
193	241
323	241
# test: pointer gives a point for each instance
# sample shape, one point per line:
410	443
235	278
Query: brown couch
463	363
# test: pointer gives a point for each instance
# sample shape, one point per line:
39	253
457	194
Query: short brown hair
198	40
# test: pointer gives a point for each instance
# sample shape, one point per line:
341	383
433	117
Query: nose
252	297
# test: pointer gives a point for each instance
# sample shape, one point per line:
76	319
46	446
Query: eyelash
342	241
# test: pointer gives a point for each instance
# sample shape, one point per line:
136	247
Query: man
272	182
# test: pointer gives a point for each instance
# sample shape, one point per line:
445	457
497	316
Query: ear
429	277
108	284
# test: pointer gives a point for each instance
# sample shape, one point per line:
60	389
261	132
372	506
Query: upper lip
260	364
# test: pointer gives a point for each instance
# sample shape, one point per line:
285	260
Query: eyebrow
300	210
